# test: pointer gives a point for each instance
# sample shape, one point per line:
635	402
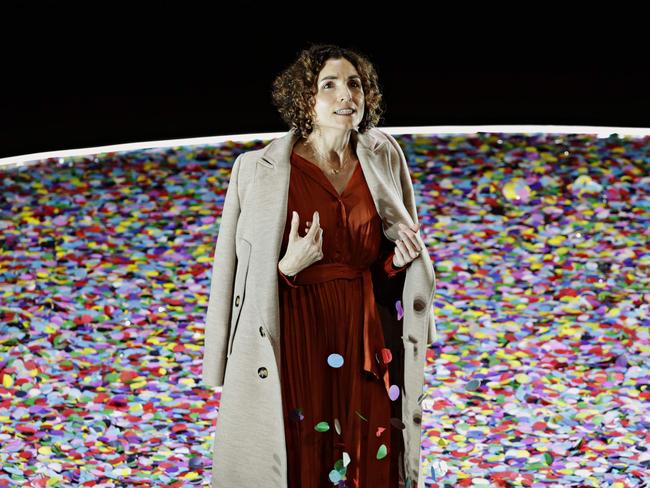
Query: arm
217	323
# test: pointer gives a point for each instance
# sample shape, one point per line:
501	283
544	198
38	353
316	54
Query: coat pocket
239	291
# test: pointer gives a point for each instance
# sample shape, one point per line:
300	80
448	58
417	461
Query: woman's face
339	85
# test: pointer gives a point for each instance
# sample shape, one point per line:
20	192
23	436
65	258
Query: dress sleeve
384	263
289	280
389	269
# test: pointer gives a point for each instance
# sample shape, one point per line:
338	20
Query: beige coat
242	331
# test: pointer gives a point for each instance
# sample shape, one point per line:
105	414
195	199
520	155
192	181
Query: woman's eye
329	83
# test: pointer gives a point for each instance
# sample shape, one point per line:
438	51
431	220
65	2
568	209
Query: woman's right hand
302	252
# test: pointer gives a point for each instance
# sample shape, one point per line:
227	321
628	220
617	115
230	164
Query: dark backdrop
116	76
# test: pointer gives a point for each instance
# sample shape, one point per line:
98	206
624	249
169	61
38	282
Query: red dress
329	308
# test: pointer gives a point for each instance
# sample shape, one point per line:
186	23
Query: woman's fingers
408	249
406	254
411	242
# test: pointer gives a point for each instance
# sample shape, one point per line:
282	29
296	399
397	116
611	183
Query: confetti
539	244
335	360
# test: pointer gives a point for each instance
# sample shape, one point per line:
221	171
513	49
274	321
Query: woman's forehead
336	68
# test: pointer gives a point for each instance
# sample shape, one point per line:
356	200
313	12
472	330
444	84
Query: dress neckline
314	167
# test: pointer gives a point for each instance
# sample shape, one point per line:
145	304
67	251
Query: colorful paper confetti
540	376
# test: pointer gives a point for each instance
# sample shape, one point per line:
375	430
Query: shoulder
388	137
378	135
383	138
250	155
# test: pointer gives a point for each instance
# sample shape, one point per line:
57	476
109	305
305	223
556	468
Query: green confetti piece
548	458
322	427
382	452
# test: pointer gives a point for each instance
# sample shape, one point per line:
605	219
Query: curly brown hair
294	89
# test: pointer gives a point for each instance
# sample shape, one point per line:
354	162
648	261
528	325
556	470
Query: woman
340	416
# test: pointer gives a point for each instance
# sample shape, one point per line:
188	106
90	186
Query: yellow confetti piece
518	453
599	447
122	471
136	408
187	381
45	450
522	378
192	475
7	381
449	357
476	258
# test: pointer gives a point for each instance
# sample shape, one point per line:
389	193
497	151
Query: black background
91	76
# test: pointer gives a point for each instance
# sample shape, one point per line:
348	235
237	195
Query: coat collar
273	174
279	150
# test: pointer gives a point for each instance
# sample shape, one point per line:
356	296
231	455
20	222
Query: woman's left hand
408	247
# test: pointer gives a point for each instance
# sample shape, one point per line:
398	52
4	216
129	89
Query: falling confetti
335	360
322	427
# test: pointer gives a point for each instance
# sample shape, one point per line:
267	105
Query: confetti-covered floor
540	377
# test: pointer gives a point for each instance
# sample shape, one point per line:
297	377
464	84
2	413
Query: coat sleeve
217	323
405	185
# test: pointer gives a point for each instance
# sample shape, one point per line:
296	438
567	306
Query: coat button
237	301
418	304
262	372
262	333
417	418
